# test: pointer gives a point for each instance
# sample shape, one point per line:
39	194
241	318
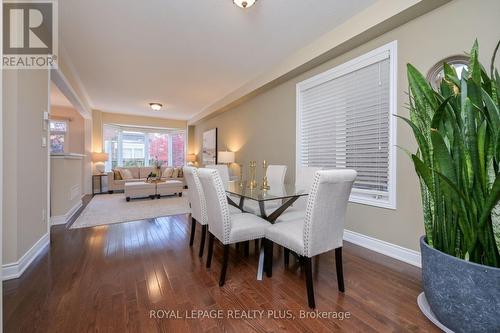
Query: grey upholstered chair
320	230
303	181
223	173
228	228
197	204
226	178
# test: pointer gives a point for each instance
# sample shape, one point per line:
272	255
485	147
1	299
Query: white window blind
344	120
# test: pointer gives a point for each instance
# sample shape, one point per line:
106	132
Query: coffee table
169	187
135	190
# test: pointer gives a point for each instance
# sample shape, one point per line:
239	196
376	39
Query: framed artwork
209	147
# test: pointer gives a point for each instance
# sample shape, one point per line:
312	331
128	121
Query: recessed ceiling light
155	106
244	3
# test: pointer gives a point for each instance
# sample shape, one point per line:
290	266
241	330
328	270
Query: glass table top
274	193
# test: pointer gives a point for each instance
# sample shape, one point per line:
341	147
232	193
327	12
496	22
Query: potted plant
457	129
157	165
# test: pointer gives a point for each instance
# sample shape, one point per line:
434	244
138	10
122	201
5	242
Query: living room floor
109	278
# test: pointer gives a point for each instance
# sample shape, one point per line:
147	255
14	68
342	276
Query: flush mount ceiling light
155	106
244	3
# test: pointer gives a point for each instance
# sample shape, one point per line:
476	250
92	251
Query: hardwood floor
110	278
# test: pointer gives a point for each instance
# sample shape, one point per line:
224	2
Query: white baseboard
16	269
63	219
391	250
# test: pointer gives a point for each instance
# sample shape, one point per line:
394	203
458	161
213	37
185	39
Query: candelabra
252	183
241	174
265	184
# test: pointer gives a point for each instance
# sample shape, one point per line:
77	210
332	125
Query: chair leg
193	230
202	242
340	271
224	265
309	282
210	249
246	248
268	257
286	255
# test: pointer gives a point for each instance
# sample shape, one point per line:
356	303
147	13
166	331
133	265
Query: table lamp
191	159
225	157
99	159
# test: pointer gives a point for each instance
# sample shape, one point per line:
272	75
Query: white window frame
66	134
146	130
343	69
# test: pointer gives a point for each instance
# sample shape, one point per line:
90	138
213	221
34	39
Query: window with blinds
345	120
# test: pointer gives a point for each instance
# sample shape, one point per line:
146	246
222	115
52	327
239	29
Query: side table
99	176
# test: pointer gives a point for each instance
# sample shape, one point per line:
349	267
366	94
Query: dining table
285	195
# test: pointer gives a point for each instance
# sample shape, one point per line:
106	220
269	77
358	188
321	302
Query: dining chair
304	180
223	172
321	229
197	204
226	227
276	175
276	179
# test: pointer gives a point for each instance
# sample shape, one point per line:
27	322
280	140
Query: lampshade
191	158
100	157
225	157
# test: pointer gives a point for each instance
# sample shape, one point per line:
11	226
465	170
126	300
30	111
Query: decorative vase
464	296
158	173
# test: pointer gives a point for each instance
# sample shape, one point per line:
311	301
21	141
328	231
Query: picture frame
209	148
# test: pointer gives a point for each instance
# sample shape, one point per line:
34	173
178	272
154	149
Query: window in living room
58	136
132	146
345	120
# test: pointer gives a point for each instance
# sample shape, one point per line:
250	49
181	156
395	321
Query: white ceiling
185	54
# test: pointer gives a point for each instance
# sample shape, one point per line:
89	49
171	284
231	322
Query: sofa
139	174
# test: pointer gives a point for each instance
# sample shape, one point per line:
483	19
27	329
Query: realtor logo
29	34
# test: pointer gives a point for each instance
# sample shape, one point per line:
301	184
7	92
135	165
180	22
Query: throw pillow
181	173
126	174
117	174
167	173
175	174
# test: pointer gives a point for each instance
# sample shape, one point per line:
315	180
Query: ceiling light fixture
155	106
244	3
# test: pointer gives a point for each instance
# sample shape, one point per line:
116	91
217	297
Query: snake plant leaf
423	171
470	132
497	81
486	81
493	111
450	74
442	156
474	67
491	201
438	115
420	88
482	148
422	143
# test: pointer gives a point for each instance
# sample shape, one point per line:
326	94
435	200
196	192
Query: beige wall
264	126
25	161
76	135
100	118
65	183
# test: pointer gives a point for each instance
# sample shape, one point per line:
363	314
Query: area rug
113	208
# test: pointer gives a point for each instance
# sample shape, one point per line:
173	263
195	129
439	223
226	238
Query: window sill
379	203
